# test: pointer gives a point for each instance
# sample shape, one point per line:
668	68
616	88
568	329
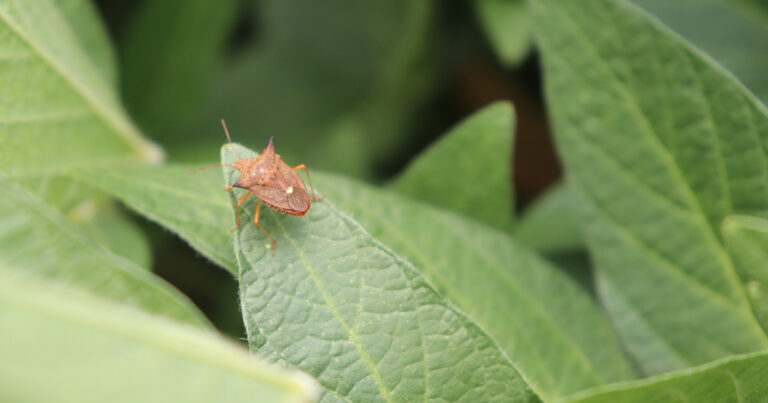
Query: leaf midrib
354	337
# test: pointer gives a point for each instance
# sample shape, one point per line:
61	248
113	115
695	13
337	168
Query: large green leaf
336	303
661	145
57	109
550	224
526	305
62	345
738	43
508	26
169	57
469	169
36	238
747	241
193	206
738	378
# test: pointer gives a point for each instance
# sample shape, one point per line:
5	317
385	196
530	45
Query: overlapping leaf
339	305
547	324
87	208
469	169
193	206
112	229
36	238
550	224
544	300
740	378
747	241
661	145
62	345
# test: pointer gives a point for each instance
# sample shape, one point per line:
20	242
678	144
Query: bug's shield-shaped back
292	200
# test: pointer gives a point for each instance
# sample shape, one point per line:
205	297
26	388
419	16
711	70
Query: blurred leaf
86	25
56	108
551	223
86	349
339	305
739	42
169	57
60	191
469	169
334	82
35	238
738	378
525	304
576	265
747	241
84	206
114	231
507	25
192	206
660	148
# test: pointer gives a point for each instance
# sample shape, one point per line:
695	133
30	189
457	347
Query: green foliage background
452	259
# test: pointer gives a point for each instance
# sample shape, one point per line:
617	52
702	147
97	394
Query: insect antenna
212	166
231	146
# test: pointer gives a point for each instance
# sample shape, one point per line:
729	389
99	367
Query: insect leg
256	221
304	167
240	203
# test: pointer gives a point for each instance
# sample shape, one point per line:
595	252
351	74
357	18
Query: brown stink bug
272	181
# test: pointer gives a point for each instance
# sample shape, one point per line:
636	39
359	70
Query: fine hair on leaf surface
336	303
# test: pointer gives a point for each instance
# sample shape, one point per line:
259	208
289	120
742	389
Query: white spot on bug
289	190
